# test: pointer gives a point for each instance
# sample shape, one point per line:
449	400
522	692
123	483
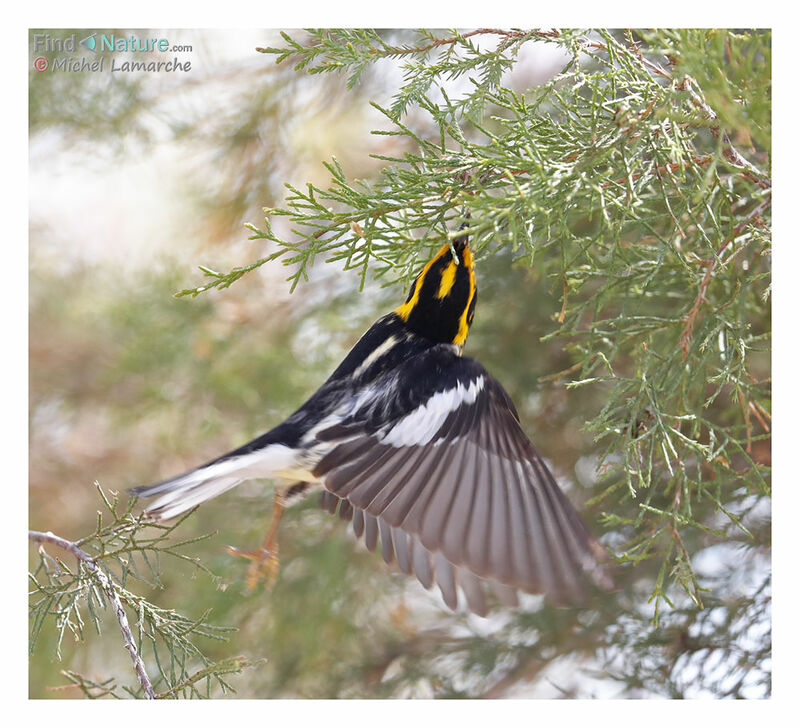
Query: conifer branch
620	217
126	548
710	265
108	588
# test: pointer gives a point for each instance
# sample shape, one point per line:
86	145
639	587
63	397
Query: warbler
422	450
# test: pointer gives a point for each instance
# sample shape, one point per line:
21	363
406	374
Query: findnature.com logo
109	43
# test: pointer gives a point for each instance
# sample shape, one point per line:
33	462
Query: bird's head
441	302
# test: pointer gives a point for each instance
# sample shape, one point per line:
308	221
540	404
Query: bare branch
507	34
107	586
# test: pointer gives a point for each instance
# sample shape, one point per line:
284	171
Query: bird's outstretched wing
454	488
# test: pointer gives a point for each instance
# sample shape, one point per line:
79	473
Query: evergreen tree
620	213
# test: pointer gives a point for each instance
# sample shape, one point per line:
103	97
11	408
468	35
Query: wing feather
396	482
539	546
563	567
444	516
473	592
328	501
387	548
370	531
501	564
342	479
445	578
345	510
429	567
455	532
481	518
506	594
361	491
457	492
519	557
421	560
358	522
425	489
397	511
433	523
401	549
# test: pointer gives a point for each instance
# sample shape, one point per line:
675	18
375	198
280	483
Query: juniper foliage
630	193
637	182
125	548
619	182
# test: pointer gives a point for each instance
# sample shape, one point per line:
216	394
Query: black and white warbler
422	449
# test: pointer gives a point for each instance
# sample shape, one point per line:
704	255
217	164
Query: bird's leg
265	557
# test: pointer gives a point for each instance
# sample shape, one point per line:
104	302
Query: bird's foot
264	566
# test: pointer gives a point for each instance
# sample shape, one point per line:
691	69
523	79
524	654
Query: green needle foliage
620	210
127	549
620	183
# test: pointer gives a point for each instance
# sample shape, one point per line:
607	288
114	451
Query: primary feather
421	448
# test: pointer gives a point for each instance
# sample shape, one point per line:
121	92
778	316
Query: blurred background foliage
135	181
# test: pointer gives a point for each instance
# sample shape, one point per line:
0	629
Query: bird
422	450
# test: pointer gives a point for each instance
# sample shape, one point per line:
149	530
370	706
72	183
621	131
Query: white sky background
103	207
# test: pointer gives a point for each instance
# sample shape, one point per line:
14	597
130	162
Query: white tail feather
178	501
190	489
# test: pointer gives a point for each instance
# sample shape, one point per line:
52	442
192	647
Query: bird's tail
183	492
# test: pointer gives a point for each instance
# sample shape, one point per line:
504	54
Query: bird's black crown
441	303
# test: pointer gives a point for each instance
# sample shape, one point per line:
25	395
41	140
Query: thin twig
563	313
508	34
107	586
755	407
753	173
393	51
687	83
747	424
653	67
686	334
671	167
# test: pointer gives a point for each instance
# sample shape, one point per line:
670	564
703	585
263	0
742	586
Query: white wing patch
420	426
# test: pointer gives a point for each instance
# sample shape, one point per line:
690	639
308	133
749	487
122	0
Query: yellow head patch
465	319
442	295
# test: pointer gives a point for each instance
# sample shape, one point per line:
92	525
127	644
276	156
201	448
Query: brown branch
107	586
748	426
763	412
508	34
700	299
653	67
757	411
753	173
563	313
671	167
388	50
